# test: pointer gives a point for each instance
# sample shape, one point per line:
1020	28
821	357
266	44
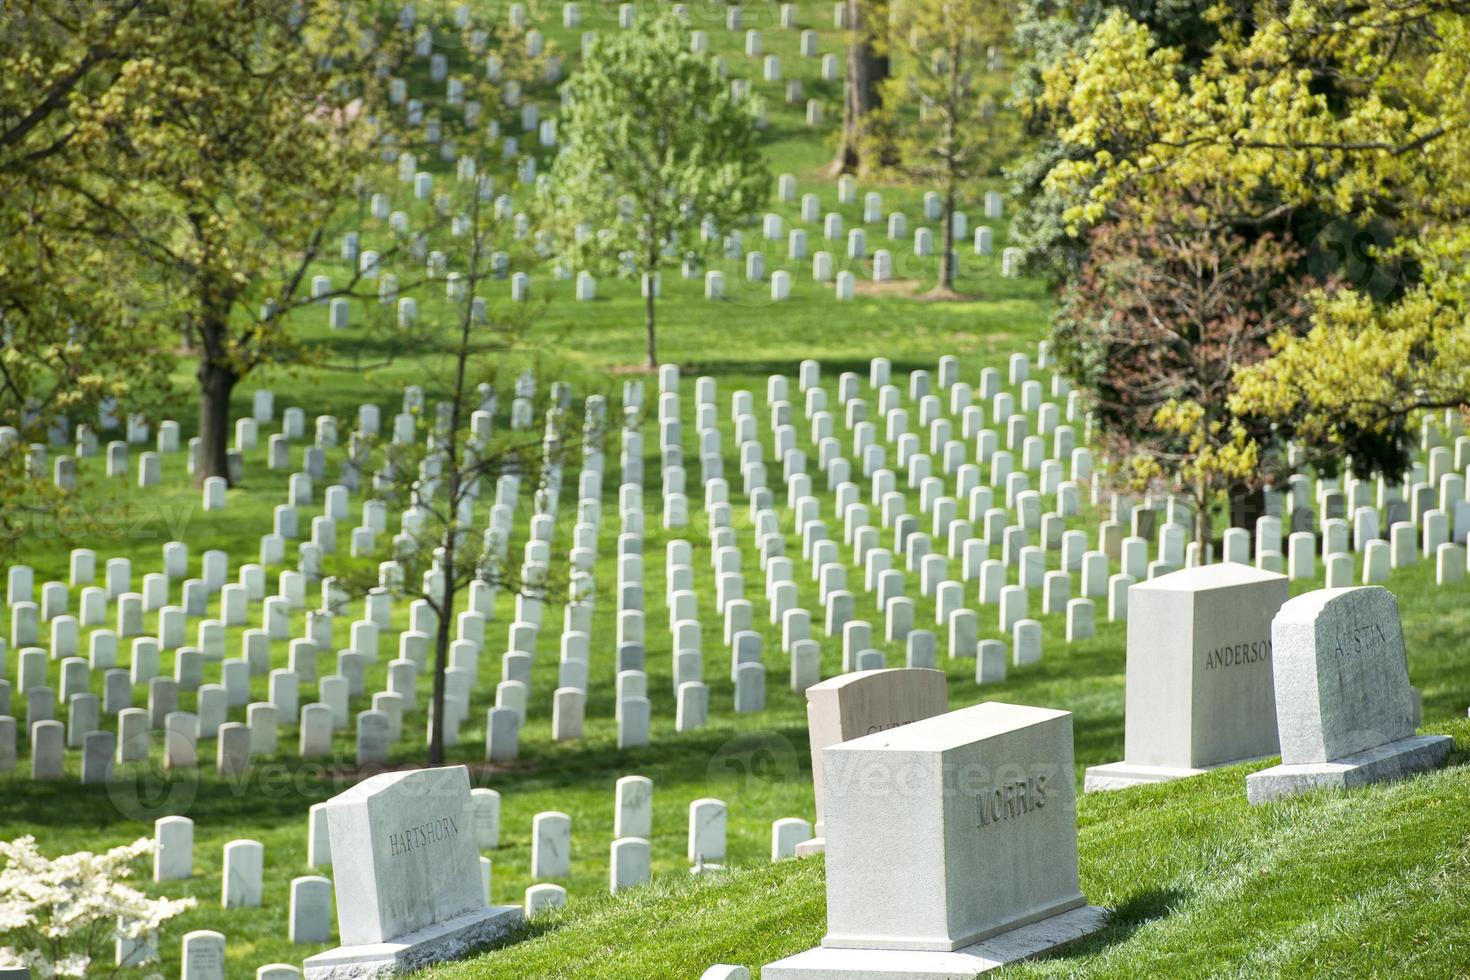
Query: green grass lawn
1367	883
1370	882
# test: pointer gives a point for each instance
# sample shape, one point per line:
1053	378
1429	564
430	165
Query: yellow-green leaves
1310	107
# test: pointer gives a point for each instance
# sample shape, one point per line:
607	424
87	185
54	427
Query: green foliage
654	144
1162	314
1050	33
73	331
936	121
1344	124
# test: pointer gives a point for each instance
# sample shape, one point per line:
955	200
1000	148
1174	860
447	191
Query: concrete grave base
824	963
442	941
1121	775
1417	753
817	845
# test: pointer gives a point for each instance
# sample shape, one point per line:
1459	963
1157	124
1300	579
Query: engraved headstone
951	847
1199	682
412	895
1343	701
203	955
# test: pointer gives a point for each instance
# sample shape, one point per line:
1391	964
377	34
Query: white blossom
60	915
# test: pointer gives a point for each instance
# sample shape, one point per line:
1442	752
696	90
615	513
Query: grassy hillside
1369	883
1202	884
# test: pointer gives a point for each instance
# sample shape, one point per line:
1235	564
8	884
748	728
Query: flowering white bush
61	917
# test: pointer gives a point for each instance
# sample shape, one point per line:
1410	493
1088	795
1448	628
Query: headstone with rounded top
413	894
857	704
1344	706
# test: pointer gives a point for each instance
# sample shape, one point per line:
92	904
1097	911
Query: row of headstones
119	570
810	373
310	728
310	916
1236	539
571	15
237	743
233	691
1242	532
632	705
455	96
586	284
825	268
632	711
669	381
516	18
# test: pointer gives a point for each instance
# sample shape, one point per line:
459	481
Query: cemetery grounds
1365	883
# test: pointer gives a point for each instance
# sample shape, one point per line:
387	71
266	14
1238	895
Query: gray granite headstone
412	895
1343	702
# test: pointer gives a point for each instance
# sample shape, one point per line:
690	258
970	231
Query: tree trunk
216	383
1202	530
441	663
651	286
865	72
946	260
455	475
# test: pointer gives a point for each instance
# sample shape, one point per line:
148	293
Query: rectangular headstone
1199	681
944	834
413	891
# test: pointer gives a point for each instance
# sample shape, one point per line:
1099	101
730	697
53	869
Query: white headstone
1199	677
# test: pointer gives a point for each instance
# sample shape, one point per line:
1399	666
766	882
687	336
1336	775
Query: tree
1357	114
234	149
866	69
932	107
62	917
1154	329
654	144
442	474
1048	32
73	337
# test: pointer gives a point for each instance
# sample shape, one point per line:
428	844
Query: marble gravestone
951	848
1343	702
862	703
413	893
1199	687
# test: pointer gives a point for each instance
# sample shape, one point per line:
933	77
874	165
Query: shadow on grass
1123	922
831	368
281	789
